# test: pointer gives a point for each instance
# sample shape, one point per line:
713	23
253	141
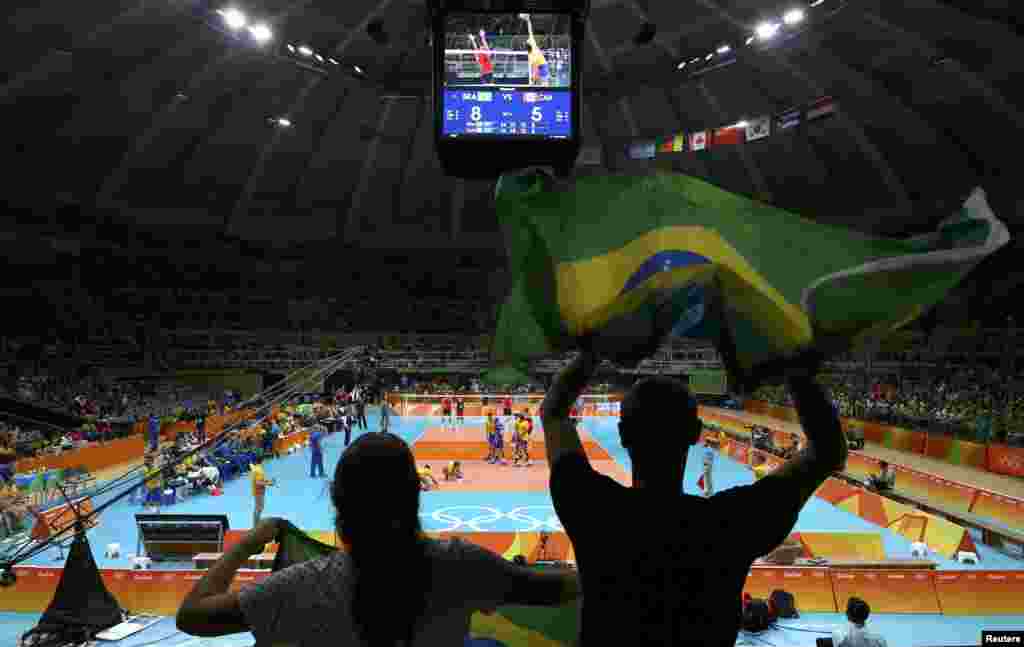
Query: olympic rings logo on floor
455	521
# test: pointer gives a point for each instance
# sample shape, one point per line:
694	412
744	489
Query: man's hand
264	533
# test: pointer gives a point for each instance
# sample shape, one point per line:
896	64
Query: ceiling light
291	48
333	62
695	60
319	58
793	16
724	49
305	51
767	30
233	18
709	57
816	3
750	40
284	122
261	33
681	65
358	69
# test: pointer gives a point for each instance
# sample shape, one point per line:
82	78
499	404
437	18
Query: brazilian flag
630	261
511	626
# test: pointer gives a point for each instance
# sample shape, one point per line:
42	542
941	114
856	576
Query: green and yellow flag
629	261
512	626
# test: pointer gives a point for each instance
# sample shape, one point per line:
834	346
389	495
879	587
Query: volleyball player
489	429
446	411
518	430
453	471
526	437
460	410
540	73
427	480
483	58
499	442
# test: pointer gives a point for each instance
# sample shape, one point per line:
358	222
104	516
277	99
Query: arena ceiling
140	149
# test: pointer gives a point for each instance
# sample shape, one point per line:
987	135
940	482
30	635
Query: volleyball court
467	443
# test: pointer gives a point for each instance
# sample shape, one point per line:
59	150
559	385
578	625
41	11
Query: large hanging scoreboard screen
507	76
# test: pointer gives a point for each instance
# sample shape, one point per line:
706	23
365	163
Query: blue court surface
306	502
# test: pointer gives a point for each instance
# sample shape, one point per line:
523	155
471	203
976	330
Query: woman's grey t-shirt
310	604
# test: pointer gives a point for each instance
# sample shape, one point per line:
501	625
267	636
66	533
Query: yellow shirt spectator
153	478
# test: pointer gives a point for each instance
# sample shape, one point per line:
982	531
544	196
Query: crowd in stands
470	385
973	404
94	399
107	413
176	471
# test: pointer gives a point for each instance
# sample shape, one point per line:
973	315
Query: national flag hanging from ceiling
730	135
759	128
673	144
788	119
629	262
699	140
641	150
822	107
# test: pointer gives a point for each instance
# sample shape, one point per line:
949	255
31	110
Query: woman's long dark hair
376	493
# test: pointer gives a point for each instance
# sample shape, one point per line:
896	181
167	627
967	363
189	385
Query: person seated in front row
209	473
453	471
855	635
348	597
885	480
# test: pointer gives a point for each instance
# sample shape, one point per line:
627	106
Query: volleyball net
475	404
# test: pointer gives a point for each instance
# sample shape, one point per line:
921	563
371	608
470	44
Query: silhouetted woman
392	587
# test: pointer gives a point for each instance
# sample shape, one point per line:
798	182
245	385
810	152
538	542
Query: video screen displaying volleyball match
507	74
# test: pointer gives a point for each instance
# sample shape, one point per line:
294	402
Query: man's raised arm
826	449
559	435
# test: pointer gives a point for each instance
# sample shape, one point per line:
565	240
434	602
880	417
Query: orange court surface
440	445
470	443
